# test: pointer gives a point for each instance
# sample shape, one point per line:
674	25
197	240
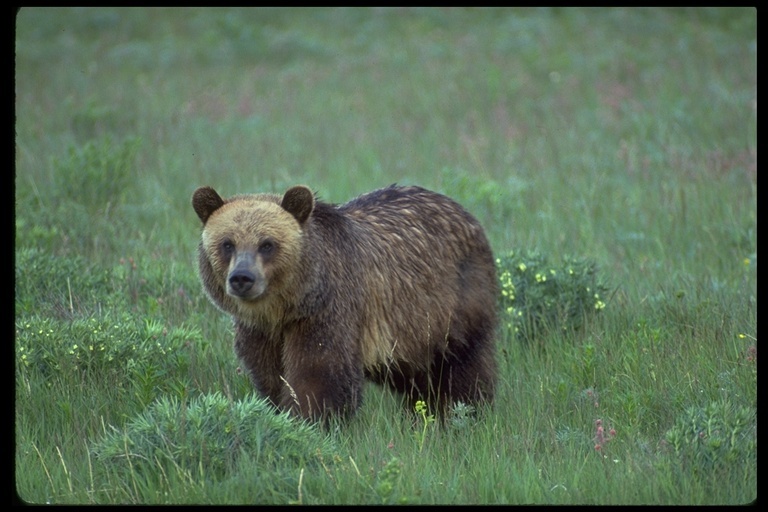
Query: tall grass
622	137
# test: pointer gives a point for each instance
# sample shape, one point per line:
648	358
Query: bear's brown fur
398	285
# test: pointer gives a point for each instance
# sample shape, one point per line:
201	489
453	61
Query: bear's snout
245	281
241	280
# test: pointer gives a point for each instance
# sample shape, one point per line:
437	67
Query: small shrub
36	232
715	437
461	416
103	345
537	295
208	434
387	480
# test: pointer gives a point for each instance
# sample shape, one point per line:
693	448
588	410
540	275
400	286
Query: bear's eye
266	248
228	247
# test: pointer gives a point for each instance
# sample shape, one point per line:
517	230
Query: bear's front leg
323	373
261	357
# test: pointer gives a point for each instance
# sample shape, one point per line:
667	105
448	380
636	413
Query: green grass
626	138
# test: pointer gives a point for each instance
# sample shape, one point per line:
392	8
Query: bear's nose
241	280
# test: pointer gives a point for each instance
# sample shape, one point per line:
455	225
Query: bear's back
419	263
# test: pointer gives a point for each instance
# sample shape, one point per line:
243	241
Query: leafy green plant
426	419
536	295
714	437
206	436
105	344
387	480
461	415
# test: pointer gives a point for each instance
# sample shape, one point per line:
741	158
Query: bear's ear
205	201
299	201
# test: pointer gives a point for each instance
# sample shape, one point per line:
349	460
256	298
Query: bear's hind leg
465	373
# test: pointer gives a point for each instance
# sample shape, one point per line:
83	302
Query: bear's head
251	247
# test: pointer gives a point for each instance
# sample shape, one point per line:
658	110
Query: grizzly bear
398	286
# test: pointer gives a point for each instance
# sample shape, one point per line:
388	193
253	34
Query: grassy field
623	138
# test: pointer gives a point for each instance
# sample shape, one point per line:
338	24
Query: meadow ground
617	142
